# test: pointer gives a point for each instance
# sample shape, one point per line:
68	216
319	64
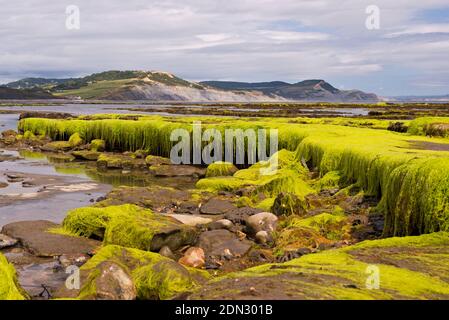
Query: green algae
75	140
363	156
9	287
220	169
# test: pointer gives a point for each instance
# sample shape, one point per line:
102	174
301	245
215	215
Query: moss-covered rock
75	140
330	180
220	169
330	226
155	277
86	155
129	226
56	146
289	204
156	161
119	161
408	268
9	288
97	145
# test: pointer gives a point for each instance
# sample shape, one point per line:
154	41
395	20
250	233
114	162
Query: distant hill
308	90
164	86
24	94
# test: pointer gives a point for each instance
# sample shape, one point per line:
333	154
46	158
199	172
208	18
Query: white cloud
421	29
248	40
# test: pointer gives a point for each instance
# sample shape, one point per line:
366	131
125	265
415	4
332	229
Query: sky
239	40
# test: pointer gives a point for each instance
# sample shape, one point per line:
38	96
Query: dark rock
217	206
34	236
222	243
238	215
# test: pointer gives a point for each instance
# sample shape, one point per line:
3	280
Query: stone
155	277
216	207
6	242
78	260
239	215
263	237
190	220
34	236
166	252
194	257
264	221
114	283
221	224
219	243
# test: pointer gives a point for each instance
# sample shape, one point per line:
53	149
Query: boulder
154	277
113	283
264	221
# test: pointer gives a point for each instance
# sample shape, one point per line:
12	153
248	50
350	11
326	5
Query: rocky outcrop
130	226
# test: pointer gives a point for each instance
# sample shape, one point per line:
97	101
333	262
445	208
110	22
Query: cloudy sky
243	40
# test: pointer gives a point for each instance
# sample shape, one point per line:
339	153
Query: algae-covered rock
129	226
154	276
56	146
119	161
75	140
156	161
289	204
394	268
97	145
219	169
86	155
9	288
